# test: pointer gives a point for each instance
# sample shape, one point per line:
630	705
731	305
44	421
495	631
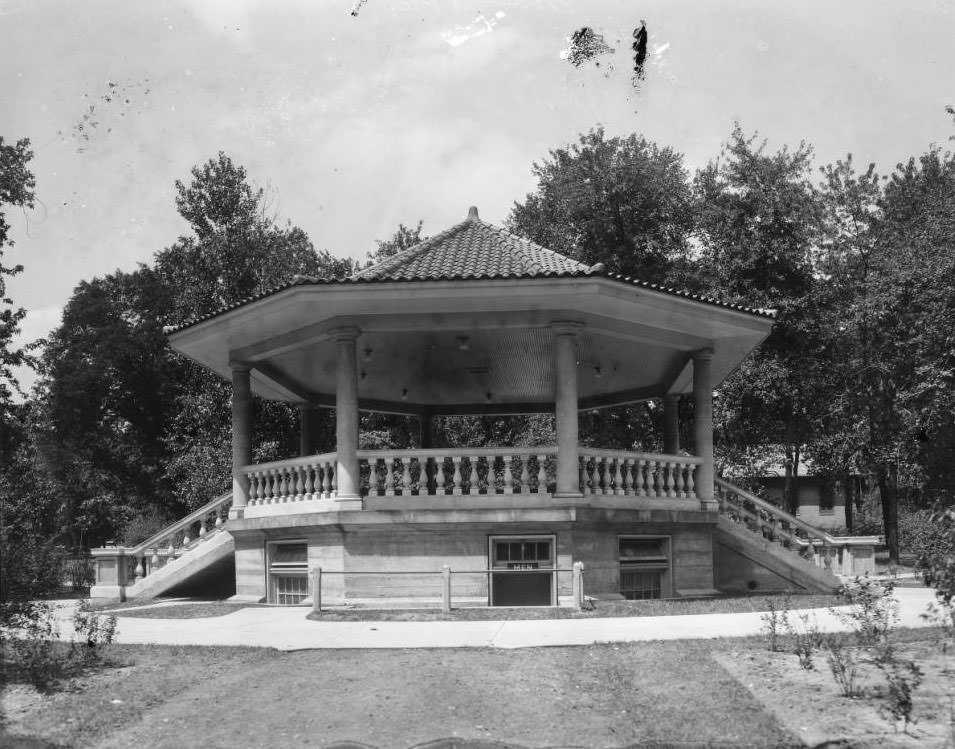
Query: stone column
346	418
671	424
565	407
308	428
241	437
703	425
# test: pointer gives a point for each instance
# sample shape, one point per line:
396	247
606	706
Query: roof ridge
535	266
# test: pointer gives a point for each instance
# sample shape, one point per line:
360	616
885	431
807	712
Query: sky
357	115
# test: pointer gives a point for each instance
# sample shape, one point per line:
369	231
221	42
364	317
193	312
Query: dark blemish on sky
639	47
117	99
356	7
587	45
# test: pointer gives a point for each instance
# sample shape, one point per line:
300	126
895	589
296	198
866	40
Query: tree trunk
848	489
888	489
790	497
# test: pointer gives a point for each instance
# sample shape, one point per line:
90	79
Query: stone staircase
770	548
169	558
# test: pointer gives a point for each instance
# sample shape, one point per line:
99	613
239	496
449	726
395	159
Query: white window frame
274	570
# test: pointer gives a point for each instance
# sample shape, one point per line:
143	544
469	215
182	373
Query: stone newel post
241	437
565	407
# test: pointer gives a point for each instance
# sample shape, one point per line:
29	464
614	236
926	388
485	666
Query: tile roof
471	249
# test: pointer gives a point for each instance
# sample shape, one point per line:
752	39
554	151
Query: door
526	576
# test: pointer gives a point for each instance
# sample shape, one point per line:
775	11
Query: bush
142	526
33	650
937	564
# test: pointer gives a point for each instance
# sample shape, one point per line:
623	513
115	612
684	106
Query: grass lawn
688	693
598	696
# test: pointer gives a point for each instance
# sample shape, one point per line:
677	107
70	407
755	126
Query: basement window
288	572
644	567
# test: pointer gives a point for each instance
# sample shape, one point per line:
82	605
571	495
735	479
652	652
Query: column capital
239	367
345	333
703	354
566	327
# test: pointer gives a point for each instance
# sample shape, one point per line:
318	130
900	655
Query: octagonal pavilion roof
471	249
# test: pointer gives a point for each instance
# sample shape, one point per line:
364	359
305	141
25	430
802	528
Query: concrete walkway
288	629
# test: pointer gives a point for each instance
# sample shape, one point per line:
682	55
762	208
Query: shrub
873	610
33	651
844	665
776	621
806	639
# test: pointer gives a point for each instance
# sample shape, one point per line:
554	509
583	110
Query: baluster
679	481
508	476
690	493
605	476
333	469
618	477
583	474
287	485
253	477
628	477
299	483
372	477
474	479
270	480
219	520
669	479
309	481
389	477
641	487
525	478
439	480
456	477
154	560
139	572
651	478
186	540
542	474
170	550
202	528
405	477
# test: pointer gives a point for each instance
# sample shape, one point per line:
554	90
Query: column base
710	505
345	504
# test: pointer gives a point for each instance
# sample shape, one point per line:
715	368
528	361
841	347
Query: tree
133	429
16	189
758	221
403	238
624	202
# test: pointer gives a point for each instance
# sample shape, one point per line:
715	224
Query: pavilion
473	320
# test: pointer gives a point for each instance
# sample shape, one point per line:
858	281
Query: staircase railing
120	566
846	555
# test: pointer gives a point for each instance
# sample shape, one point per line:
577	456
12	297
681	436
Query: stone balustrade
471	472
119	566
844	555
623	473
458	471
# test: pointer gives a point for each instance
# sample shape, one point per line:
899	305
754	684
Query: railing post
445	588
578	585
317	590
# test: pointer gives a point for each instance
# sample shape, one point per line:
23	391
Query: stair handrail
811	531
179	525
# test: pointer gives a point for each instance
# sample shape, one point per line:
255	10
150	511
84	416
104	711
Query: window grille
644	566
288	573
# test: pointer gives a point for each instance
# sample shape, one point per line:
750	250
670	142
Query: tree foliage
623	202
